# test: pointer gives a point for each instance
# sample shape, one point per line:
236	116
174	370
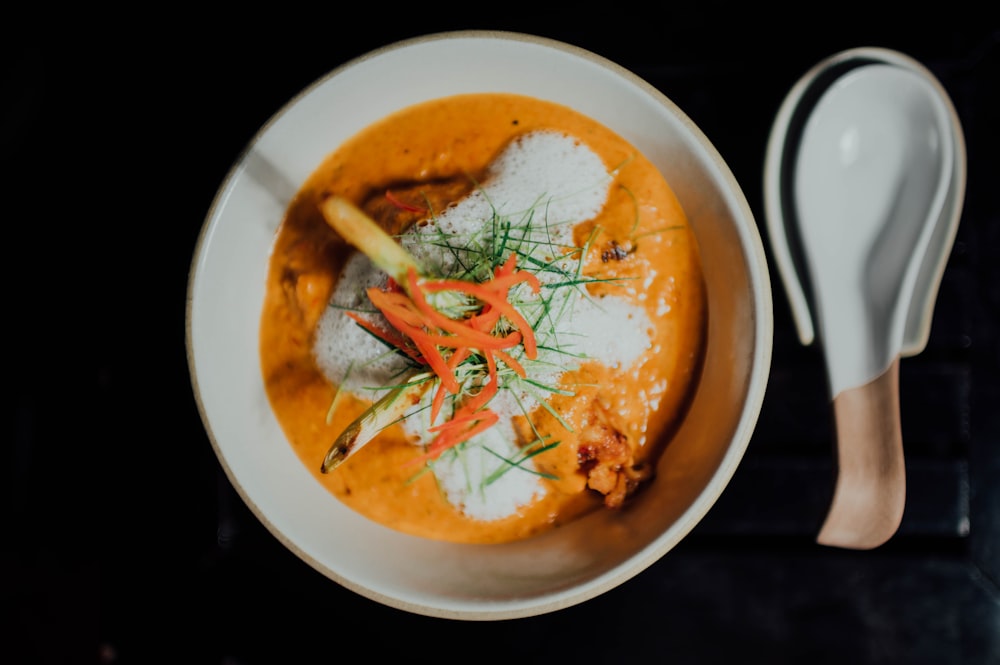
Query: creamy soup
613	290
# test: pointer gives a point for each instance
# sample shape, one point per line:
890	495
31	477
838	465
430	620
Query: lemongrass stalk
364	233
389	409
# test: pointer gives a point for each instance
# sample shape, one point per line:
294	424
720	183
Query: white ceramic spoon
784	138
871	177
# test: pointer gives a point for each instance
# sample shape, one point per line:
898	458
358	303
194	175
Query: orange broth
644	237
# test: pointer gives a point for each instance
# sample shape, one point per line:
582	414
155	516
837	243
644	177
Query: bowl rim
760	287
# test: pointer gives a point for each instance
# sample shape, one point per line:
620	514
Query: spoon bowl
870	180
861	196
780	210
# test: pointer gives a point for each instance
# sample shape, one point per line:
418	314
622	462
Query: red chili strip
394	200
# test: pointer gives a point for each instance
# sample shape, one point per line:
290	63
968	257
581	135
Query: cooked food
484	317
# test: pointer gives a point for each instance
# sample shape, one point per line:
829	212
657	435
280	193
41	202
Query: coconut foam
545	183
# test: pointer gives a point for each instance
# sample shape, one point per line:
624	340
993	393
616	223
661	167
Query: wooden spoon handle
870	491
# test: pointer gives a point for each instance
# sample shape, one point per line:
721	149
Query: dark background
125	543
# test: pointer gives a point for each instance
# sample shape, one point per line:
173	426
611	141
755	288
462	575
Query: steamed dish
528	362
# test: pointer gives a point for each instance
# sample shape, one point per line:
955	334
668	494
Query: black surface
126	544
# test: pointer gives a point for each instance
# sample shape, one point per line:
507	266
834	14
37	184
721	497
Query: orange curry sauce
644	237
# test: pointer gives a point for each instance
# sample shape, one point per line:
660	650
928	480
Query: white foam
546	179
545	183
345	352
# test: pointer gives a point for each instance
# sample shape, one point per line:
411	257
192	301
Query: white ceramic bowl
477	582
